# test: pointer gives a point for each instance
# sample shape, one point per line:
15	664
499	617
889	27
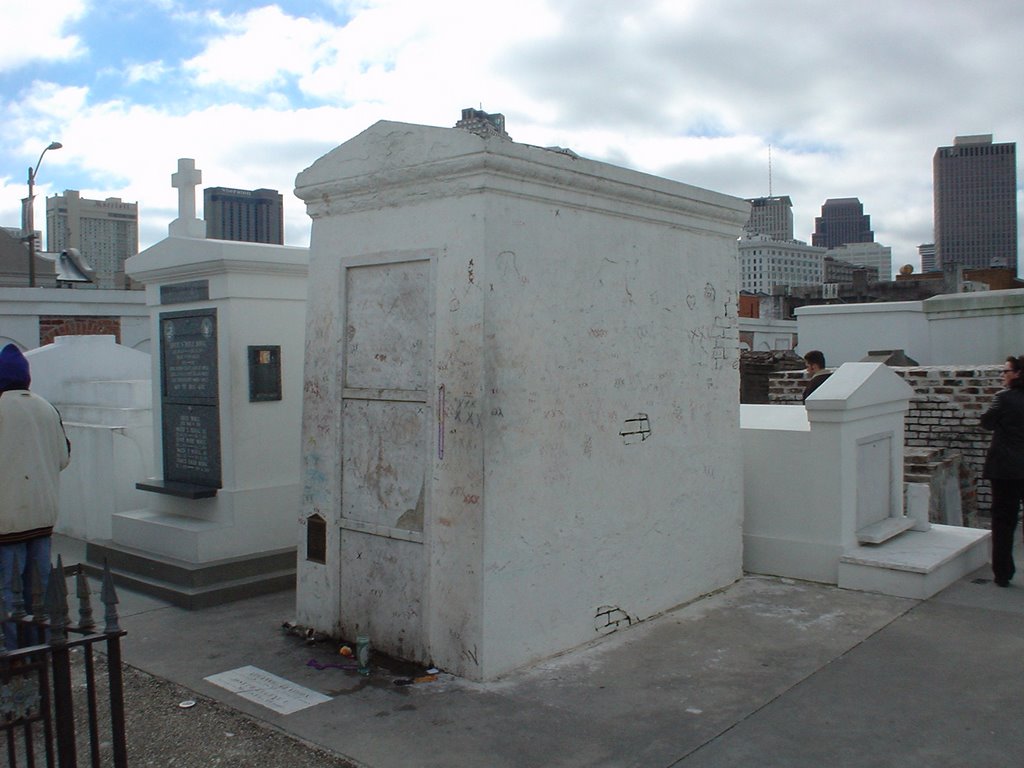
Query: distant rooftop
483	123
980	138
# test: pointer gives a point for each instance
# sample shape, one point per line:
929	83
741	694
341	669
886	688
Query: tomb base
916	564
194	585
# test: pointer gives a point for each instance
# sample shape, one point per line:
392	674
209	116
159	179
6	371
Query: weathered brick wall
51	326
943	412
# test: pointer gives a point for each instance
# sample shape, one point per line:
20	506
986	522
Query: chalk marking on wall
609	618
636	430
440	422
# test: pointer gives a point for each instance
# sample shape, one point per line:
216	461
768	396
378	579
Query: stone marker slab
267	690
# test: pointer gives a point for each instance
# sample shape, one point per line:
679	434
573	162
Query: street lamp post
30	223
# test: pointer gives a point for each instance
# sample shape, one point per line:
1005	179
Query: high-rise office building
767	264
253	216
105	232
771	217
927	253
975	191
872	255
842	221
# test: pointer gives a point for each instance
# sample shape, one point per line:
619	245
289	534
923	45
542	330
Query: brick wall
943	412
51	326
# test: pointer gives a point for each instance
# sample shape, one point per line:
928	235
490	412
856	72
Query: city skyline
692	91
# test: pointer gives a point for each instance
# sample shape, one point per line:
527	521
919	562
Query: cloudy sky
853	98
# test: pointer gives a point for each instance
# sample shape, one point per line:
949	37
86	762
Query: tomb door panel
385	451
874	480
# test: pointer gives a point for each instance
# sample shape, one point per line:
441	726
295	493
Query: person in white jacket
33	451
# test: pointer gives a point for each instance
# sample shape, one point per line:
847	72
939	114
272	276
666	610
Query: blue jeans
30	555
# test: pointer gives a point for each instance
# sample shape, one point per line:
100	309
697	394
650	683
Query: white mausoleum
520	423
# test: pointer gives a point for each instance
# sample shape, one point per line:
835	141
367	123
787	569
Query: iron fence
40	713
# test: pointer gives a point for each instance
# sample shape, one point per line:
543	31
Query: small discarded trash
415	680
432	671
319	665
310	636
187	704
694	711
345	650
363	654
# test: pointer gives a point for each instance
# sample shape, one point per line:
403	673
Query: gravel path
161	733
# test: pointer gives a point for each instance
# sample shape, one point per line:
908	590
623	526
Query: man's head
1013	369
815	361
13	369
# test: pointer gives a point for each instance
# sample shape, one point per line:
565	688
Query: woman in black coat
1004	466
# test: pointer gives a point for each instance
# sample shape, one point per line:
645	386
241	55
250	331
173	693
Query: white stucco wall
565	298
963	328
20	309
768	334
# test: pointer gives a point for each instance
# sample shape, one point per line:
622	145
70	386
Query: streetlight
29	217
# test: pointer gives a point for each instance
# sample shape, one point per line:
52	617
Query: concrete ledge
192	585
889	528
917	564
173	488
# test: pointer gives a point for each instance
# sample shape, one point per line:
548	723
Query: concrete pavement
768	672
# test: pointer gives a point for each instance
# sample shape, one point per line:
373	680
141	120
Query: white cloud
30	35
854	100
150	71
260	49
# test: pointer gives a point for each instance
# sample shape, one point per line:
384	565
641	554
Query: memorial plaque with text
189	403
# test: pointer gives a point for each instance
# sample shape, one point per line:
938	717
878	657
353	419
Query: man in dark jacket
816	373
1004	466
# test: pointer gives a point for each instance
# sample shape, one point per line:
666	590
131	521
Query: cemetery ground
768	672
169	725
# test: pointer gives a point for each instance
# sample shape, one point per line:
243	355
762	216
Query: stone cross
185	181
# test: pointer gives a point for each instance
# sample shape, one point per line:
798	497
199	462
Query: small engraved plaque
268	690
182	293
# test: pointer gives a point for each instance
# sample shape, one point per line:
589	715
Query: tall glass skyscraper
975	191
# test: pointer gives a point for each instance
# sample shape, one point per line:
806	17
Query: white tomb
520	427
228	325
102	390
824	492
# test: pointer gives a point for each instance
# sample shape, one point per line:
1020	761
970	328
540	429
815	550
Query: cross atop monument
187	178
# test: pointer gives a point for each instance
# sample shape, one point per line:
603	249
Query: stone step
889	528
193	585
915	564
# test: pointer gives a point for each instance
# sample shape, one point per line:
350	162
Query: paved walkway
768	672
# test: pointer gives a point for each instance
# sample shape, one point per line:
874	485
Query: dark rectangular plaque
190	407
188	355
191	441
181	293
264	374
